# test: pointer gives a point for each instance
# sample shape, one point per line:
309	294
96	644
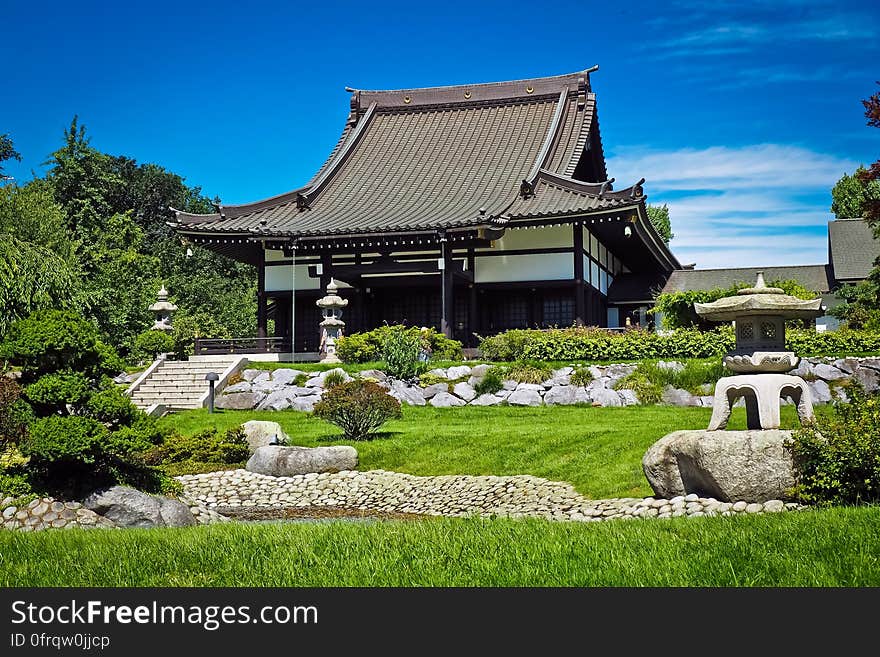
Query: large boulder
678	397
446	400
458	372
750	466
279	461
286	375
279	400
606	397
464	391
128	507
260	433
524	397
238	401
561	395
487	400
407	394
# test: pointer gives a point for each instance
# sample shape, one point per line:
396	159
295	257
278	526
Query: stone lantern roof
162	304
332	300
759	300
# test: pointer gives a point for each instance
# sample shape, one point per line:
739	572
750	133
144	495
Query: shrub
112	407
333	378
14	484
52	393
149	344
300	379
491	382
56	442
53	340
400	351
428	379
357	407
582	376
208	446
527	372
837	457
369	346
506	346
649	379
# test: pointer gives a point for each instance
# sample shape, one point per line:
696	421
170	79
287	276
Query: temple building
473	209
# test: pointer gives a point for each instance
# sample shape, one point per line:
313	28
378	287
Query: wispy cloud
763	204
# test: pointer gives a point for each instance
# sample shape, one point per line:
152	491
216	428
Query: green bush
112	407
357	407
492	382
837	456
649	379
527	372
57	439
428	379
333	378
52	340
582	376
369	346
14	484
149	344
52	393
400	351
209	446
594	344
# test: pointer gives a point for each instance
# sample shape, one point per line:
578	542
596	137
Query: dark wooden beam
346	272
578	244
446	303
262	316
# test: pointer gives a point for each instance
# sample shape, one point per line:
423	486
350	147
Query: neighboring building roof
445	157
816	278
631	288
852	249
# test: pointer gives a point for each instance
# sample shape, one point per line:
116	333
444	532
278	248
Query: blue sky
740	115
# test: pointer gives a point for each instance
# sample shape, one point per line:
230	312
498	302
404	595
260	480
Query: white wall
544	237
278	278
546	267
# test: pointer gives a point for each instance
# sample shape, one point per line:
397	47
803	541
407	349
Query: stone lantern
760	359
331	327
163	309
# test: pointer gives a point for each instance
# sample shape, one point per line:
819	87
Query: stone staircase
178	385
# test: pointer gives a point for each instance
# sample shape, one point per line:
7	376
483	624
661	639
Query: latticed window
746	332
768	330
558	311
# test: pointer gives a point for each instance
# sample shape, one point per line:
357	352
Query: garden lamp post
211	378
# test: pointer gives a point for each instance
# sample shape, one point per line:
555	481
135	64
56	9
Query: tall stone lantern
163	309
331	327
760	359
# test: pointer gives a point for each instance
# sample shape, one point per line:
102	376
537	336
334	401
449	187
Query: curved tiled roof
443	157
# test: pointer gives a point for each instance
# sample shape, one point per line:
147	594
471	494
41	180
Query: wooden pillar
580	310
473	311
326	273
262	321
446	307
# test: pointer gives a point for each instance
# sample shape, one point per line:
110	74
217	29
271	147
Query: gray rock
242	386
707	400
299	391
251	374
563	371
306	404
445	400
438	372
474	381
503	394
262	377
819	391
606	397
379	375
727	465
559	380
289	461
127	507
434	389
286	375
618	370
464	391
458	372
828	372
405	394
537	387
679	397
847	365
315	382
628	397
237	401
581	396
279	400
480	370
561	395
260	433
123	377
510	385
803	368
486	400
868	378
524	397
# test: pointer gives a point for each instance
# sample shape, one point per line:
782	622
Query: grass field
835	547
598	450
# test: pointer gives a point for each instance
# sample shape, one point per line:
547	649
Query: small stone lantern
331	327
760	359
163	310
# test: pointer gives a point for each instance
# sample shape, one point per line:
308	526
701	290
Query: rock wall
277	390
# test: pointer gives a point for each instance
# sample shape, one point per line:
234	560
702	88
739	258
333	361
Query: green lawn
836	547
599	450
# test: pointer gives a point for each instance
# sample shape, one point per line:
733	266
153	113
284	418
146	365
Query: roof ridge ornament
526	189
608	186
637	190
302	202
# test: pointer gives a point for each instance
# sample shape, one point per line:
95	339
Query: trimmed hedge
591	344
